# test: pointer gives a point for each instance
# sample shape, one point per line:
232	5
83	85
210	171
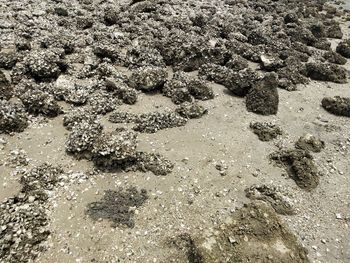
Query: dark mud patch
337	105
265	131
299	165
277	197
253	234
118	206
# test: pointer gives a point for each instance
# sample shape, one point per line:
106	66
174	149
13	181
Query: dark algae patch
118	206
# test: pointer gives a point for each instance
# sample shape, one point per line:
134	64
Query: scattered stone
273	195
263	98
310	143
326	72
13	117
337	105
266	131
300	166
118	206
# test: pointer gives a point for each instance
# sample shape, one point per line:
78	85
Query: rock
13	117
109	149
334	58
83	137
310	143
8	59
200	90
253	234
191	110
152	162
77	116
153	122
241	82
271	63
148	78
263	98
300	166
6	89
337	105
265	131
121	90
326	72
343	48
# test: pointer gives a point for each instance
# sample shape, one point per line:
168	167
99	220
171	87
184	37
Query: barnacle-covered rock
13	117
77	116
337	105
82	138
6	89
109	149
39	102
148	78
191	110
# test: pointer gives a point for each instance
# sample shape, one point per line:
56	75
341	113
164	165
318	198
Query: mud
118	206
253	234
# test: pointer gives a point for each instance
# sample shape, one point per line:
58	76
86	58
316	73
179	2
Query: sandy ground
195	196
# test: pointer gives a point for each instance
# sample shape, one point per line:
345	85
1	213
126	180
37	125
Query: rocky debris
265	131
200	90
337	105
6	89
17	158
152	162
102	103
236	63
144	57
155	121
326	72
81	139
13	117
253	234
308	142
39	102
271	63
118	206
111	149
238	82
43	65
78	115
299	165
263	98
292	74
191	110
8	59
148	78
343	48
106	51
23	218
275	196
334	58
121	90
184	88
123	117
